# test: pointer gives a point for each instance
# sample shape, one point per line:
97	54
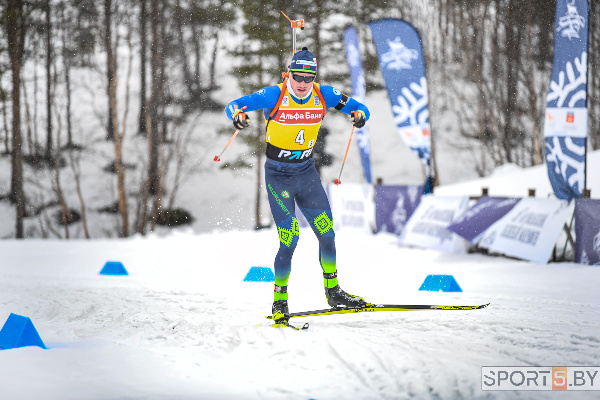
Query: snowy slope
183	325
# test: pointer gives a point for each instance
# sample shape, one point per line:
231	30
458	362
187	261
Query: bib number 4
300	137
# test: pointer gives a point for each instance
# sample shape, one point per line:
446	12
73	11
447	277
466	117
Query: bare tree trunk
5	124
15	32
77	176
213	62
65	212
48	82
111	66
67	72
28	121
143	41
537	151
152	110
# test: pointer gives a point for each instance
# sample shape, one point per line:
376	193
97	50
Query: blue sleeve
332	98
265	98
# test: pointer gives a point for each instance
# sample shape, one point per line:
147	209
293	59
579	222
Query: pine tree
264	54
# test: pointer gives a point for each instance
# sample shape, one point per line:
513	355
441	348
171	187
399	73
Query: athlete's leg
313	202
280	192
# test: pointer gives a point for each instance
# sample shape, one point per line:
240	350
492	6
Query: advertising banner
427	227
400	54
358	93
352	206
587	231
565	127
481	216
530	230
394	204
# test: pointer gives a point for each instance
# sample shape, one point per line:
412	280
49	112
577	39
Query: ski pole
338	180
218	158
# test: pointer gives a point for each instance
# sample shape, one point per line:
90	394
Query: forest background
153	73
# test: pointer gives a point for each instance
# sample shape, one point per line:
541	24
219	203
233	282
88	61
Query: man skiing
293	112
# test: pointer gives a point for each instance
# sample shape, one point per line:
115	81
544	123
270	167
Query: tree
113	130
15	18
265	52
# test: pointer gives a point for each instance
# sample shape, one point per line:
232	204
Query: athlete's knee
323	225
289	233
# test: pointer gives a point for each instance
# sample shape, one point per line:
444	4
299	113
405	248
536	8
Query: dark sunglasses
307	79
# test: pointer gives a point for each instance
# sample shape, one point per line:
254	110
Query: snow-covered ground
184	325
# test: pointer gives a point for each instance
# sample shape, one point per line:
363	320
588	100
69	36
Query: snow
184	325
512	181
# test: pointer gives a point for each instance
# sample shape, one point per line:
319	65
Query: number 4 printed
300	137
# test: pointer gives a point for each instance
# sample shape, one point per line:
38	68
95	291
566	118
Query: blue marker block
18	331
260	274
440	283
114	268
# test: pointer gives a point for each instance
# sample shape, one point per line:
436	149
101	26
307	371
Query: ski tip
217	159
484	305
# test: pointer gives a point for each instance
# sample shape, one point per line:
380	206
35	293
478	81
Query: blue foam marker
114	268
18	331
260	274
440	283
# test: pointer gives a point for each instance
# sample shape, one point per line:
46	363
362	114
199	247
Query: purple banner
481	216
394	205
587	231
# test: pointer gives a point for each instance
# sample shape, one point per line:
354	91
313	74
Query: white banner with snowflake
566	116
400	54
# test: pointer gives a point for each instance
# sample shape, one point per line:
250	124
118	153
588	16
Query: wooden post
531	192
586	194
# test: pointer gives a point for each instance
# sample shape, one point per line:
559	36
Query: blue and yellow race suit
292	128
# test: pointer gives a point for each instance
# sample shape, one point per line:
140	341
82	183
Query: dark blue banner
473	223
358	93
587	231
394	205
565	125
400	54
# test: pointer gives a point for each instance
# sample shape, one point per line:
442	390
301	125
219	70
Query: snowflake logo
399	56
570	24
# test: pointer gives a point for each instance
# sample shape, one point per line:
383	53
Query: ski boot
281	312
336	297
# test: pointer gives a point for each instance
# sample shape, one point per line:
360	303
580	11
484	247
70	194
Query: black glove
240	119
358	119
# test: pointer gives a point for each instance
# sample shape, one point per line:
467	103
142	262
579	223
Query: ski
287	325
381	307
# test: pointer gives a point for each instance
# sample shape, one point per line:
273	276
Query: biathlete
293	112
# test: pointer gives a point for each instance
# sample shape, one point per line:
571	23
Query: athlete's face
301	89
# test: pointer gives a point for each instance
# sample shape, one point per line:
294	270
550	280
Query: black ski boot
336	297
281	312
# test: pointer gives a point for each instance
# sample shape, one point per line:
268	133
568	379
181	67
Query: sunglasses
307	79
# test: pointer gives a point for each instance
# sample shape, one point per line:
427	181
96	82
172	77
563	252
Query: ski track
214	338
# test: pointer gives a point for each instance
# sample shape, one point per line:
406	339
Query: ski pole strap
332	275
237	111
280	289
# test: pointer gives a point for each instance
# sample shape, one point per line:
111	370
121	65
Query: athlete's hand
358	119
240	119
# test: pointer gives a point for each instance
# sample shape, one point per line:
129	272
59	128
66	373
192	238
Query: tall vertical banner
565	127
400	54
358	93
